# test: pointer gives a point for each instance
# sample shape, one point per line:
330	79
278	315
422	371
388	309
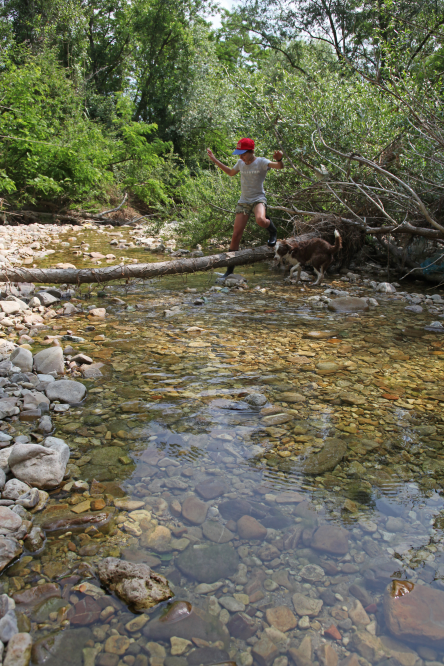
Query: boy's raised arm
223	167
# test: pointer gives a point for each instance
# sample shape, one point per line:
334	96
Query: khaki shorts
248	208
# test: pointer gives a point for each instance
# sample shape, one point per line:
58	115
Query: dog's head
281	249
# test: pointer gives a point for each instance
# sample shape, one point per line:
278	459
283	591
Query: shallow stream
278	518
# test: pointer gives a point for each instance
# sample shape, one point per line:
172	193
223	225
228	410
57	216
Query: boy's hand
278	155
210	155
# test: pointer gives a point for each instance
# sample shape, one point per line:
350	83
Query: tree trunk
99	275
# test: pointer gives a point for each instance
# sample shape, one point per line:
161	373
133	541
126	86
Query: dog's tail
338	242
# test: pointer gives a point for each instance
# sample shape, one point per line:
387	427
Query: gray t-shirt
252	179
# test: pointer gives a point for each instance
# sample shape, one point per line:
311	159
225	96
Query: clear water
170	419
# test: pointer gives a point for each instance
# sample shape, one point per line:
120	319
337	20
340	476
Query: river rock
66	390
8	626
35	539
62	647
135	584
14	488
416	617
158	540
84	612
9	550
49	360
19	650
208	563
211	489
348	304
10	522
329	456
242	626
40	466
22	358
330	539
281	618
183	620
249	528
235	509
215	531
307	605
194	510
8	407
265	651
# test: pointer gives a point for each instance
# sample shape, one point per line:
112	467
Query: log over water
125	272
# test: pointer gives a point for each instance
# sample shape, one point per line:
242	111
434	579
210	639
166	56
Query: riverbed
280	464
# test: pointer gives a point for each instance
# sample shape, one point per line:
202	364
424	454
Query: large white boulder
66	390
22	358
40	466
49	360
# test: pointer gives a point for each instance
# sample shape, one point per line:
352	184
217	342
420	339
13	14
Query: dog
316	251
283	249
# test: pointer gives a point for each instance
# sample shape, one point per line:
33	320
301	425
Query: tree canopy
103	97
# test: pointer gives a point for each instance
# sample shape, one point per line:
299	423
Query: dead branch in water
125	272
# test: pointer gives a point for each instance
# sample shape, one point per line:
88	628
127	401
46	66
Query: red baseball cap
243	145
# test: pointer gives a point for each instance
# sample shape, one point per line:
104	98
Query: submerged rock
348	304
208	563
416	616
184	621
330	455
135	584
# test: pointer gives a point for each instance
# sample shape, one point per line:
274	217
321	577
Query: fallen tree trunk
99	275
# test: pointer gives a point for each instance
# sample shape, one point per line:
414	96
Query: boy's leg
265	223
240	222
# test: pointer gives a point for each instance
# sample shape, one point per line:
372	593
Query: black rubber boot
230	271
273	234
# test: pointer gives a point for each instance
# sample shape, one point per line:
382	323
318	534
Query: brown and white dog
316	251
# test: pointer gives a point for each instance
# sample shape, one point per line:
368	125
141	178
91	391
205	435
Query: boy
253	171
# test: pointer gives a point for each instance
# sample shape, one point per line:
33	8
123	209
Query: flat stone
158	540
231	604
208	563
312	573
276	419
36	595
206	656
84	612
282	618
327	368
358	615
416	617
19	650
348	304
185	621
211	489
10	522
330	539
66	390
289	497
194	510
117	644
242	626
327	655
128	505
331	454
215	531
307	605
179	645
249	528
264	651
62	647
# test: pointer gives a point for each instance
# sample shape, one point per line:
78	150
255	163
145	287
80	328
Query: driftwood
99	275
